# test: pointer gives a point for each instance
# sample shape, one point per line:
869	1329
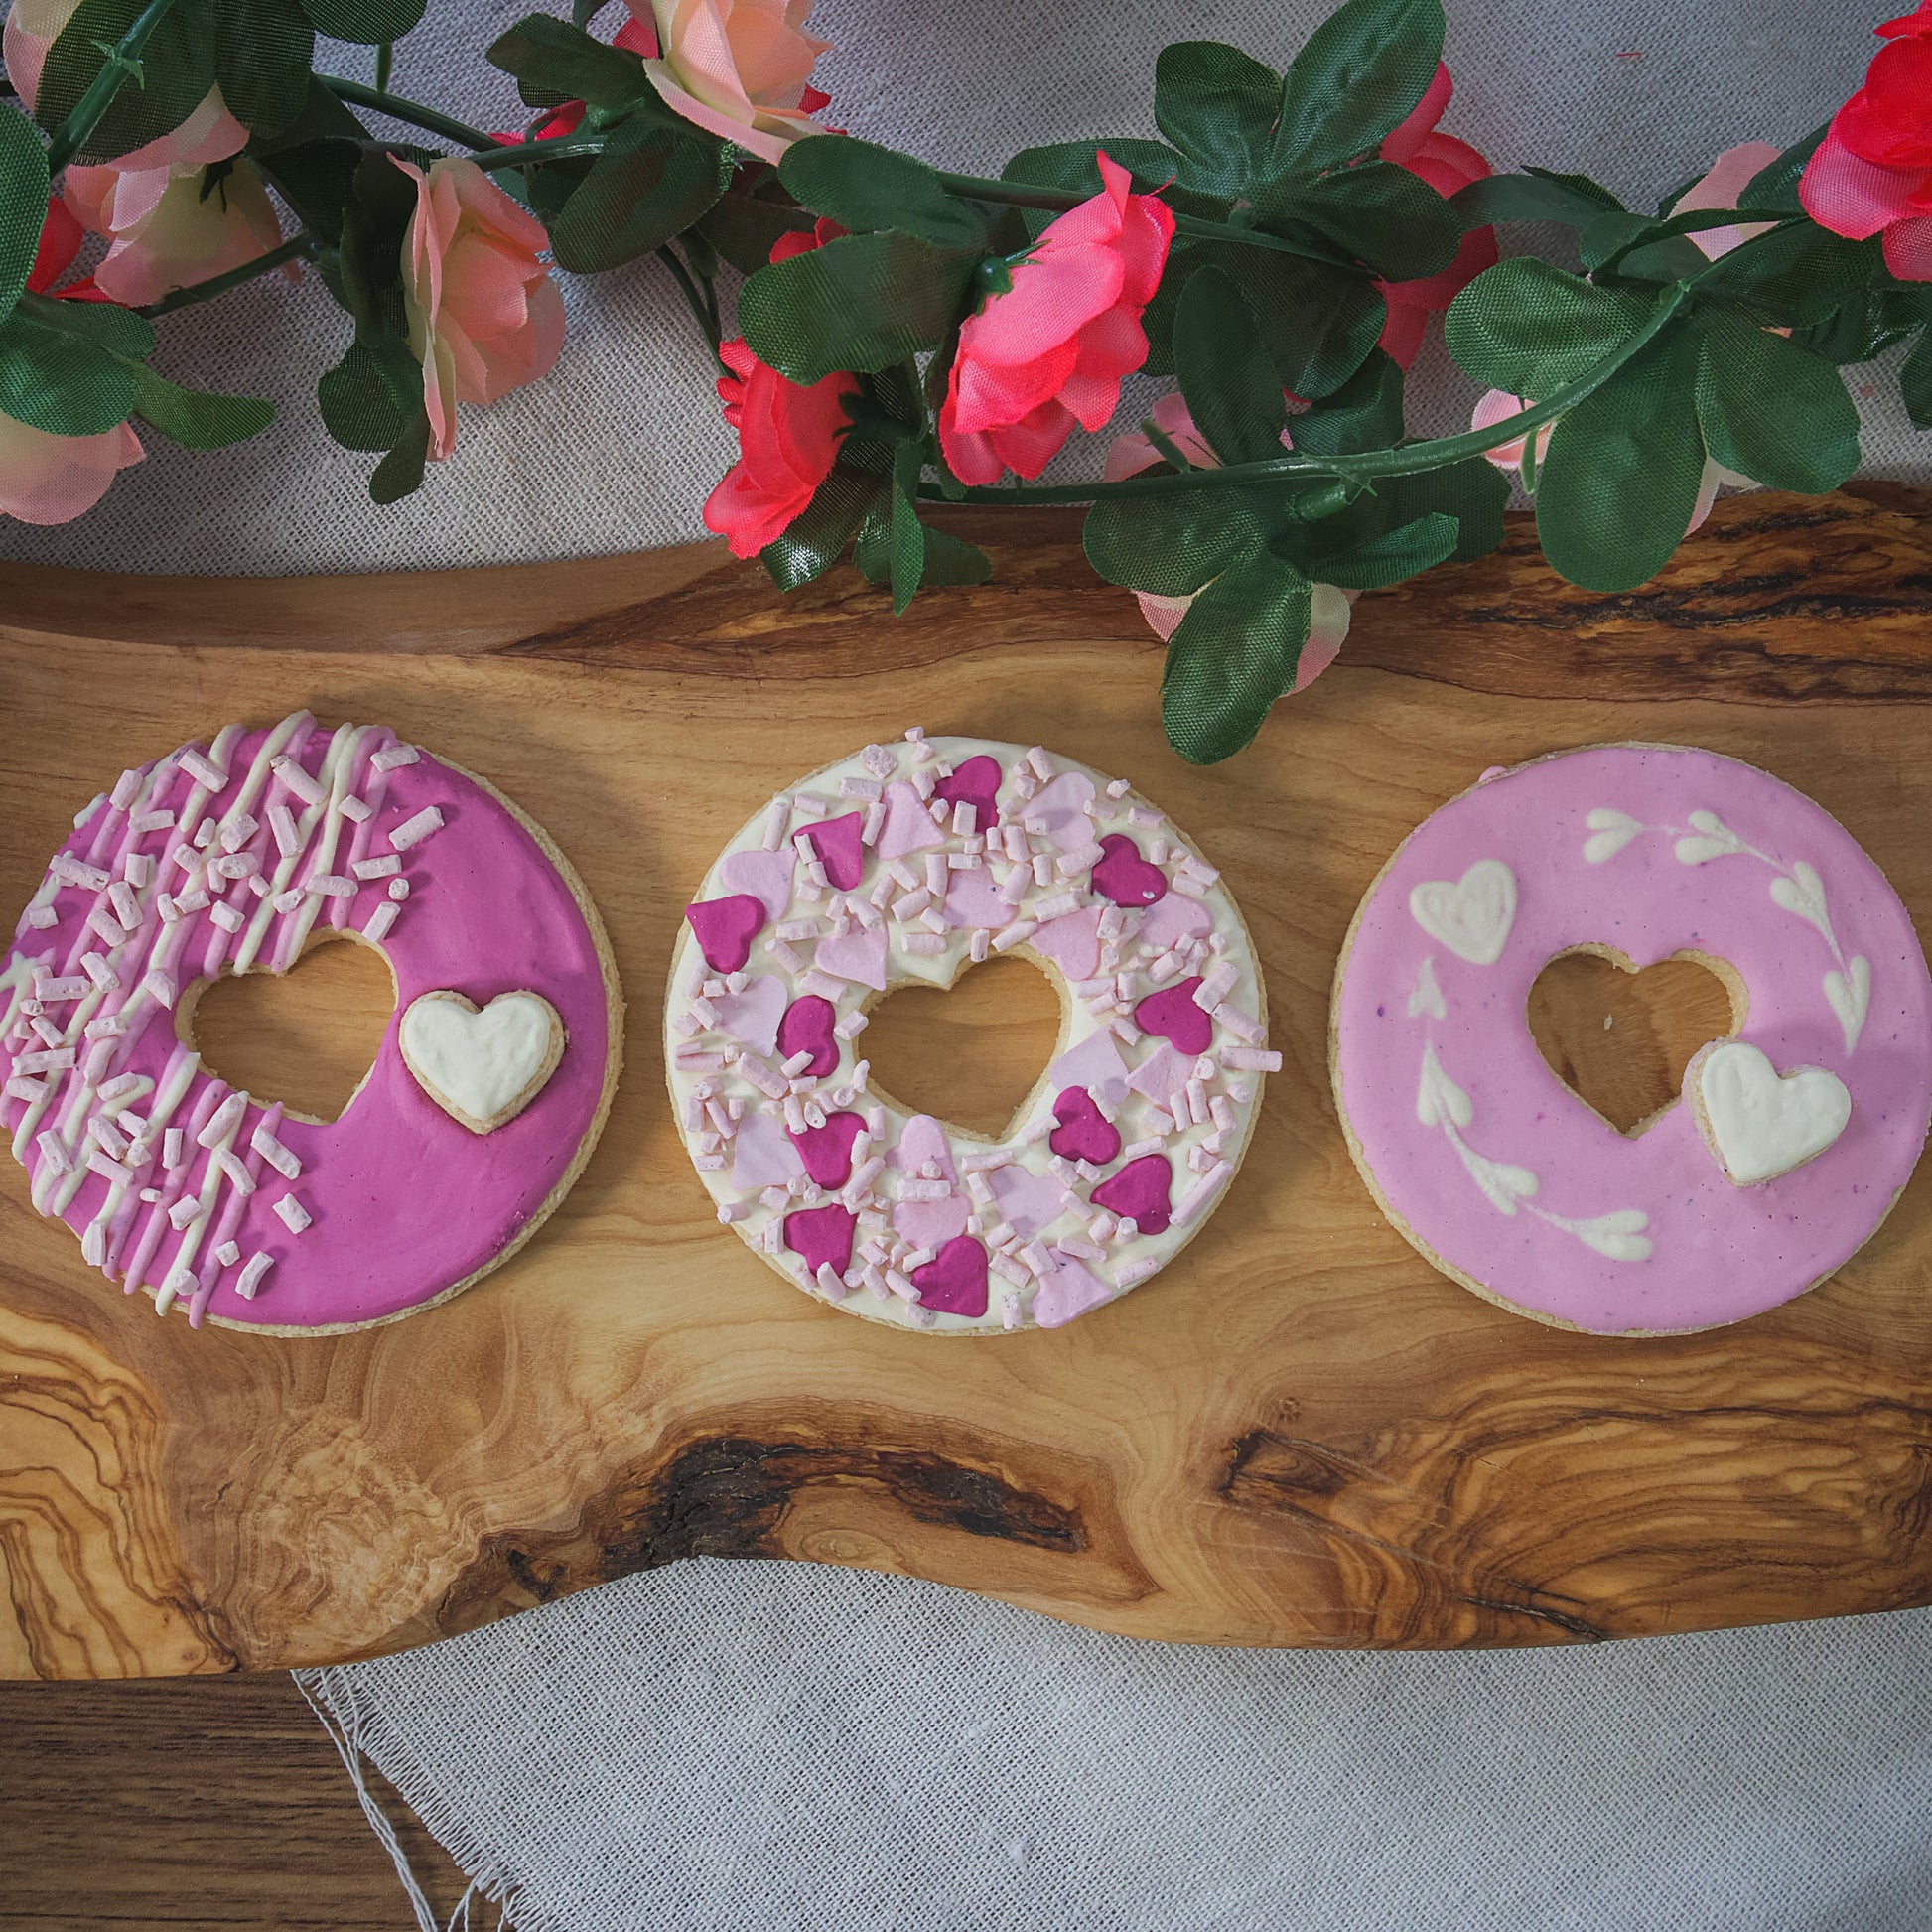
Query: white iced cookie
481	1065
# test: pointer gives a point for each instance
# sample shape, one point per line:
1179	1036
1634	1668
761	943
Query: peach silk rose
738	69
167	227
1134	452
209	133
1051	350
485	317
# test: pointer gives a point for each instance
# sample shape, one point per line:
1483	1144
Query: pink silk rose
738	69
209	133
1134	452
1051	350
167	227
485	316
1446	163
48	478
1873	172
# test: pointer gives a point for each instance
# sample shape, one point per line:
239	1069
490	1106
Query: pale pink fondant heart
908	825
763	1155
752	1017
858	955
823	1235
924	1138
1124	876
1163	1074
1172	1013
767	876
1071	1288
835	841
1083	1133
976	782
807	1027
954	1281
972	898
827	1151
1062	804
1072	943
724	928
1028	1202
1095	1065
932	1223
1139	1192
1173	919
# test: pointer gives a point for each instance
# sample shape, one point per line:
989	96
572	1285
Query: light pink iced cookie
1798	1134
904	865
486	1094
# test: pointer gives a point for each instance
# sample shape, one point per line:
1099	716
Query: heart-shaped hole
306	1037
969	1057
1619	1038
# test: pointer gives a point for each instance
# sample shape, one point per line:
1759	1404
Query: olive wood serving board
1298	1434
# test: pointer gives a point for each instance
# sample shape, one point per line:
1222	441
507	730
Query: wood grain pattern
1298	1435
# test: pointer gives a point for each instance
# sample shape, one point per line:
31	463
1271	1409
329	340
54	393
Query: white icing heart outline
1472	916
1758	1123
483	1065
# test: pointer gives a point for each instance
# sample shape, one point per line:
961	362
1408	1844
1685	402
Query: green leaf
1402	552
1387	216
264	49
1864	326
1365	413
1534	195
862	302
1795	276
177	70
400	473
1773	189
23	204
1620	482
553	61
1915	382
1226	375
105	324
745	229
60	383
1773	411
1530	328
950	560
818	534
1172	545
371	395
1071	165
864	188
905	535
1475	492
1361	73
1651	250
1236	652
312	163
649	183
195	418
1216	106
370	23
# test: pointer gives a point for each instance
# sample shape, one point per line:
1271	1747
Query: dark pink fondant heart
953	1282
1083	1133
1124	876
1139	1192
1172	1013
840	850
807	1029
827	1151
823	1235
975	783
725	929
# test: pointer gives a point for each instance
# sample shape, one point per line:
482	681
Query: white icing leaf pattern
1804	893
1851	998
1427	996
1719	841
1611	832
1619	1235
1504	1184
1438	1098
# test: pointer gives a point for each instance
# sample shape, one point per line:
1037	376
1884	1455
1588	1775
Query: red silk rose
788	433
1051	350
1446	163
1873	172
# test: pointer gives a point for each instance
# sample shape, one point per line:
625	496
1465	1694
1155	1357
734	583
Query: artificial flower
209	133
1134	452
48	478
740	68
1873	172
60	239
485	317
169	226
1051	350
1447	164
788	433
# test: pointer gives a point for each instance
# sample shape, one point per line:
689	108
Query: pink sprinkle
1056	908
227	918
1136	1272
184	1212
238	831
286	902
352	808
74	986
40	917
874	823
380	921
238	865
851	1026
294	1217
145	822
126	789
186	857
250	1278
109	1171
1200	1194
223	1121
118	1088
120	895
227	1254
21	1088
201	771
1236	1022
331	885
236	1168
1216	986
53	1152
296	779
1019	931
923	945
831	1280
110	929
394	756
413	831
275	1154
56	1060
1250	1061
195	901
376	868
865	788
281	822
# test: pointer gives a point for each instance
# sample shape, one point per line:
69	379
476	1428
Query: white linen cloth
767	1745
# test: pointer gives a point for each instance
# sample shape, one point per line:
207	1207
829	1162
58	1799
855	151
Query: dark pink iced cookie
1172	1013
1124	876
954	1281
823	1235
807	1029
725	929
1139	1192
976	782
1083	1133
840	849
827	1151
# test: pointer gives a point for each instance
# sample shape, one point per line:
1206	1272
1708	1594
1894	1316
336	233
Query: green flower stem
412	112
975	188
526	154
116	70
385	64
702	304
298	247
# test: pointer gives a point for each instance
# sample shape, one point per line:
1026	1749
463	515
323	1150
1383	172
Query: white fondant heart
1852	998
1062	806
1470	915
766	876
481	1065
1760	1124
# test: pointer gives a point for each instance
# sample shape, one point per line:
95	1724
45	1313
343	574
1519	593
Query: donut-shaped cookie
487	1093
904	865
1794	1135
